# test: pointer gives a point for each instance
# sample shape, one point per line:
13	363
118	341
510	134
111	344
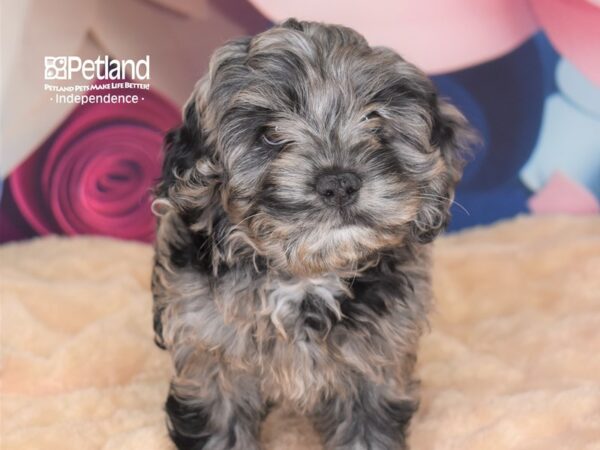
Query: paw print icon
55	67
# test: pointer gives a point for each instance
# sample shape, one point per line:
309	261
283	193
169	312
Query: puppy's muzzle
338	189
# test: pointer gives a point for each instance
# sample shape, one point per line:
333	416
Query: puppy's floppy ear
192	170
189	174
183	146
452	134
451	137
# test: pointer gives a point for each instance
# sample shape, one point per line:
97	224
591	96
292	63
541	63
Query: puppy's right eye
370	119
370	116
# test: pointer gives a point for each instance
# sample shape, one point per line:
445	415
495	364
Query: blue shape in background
504	100
569	140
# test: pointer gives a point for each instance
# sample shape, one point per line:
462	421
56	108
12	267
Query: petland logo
101	68
73	80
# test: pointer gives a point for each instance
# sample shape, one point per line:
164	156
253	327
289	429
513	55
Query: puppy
295	210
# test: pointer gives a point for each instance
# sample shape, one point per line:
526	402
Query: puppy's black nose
338	189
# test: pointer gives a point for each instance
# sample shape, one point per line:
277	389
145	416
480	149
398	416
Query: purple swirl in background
94	174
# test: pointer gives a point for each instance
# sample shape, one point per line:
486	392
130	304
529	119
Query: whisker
441	197
461	207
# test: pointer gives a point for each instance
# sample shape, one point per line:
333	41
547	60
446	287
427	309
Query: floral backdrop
525	72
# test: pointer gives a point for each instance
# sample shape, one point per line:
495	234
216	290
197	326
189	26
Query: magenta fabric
94	175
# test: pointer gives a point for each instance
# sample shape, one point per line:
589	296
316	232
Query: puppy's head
319	149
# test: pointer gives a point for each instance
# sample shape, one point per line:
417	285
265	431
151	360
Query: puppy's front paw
194	427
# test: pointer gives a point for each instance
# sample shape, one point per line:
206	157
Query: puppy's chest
293	333
300	335
301	310
292	313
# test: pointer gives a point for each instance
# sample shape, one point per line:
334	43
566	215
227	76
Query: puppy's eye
270	137
270	140
370	116
369	120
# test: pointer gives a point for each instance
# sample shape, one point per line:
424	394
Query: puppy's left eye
270	138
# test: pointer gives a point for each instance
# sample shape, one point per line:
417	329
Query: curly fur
263	293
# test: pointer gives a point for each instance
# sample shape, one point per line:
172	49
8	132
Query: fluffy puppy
295	210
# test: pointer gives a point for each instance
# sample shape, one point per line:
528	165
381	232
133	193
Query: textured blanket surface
512	360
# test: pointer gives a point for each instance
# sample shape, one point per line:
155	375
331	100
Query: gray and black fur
295	210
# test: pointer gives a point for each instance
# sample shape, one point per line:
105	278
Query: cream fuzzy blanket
512	360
